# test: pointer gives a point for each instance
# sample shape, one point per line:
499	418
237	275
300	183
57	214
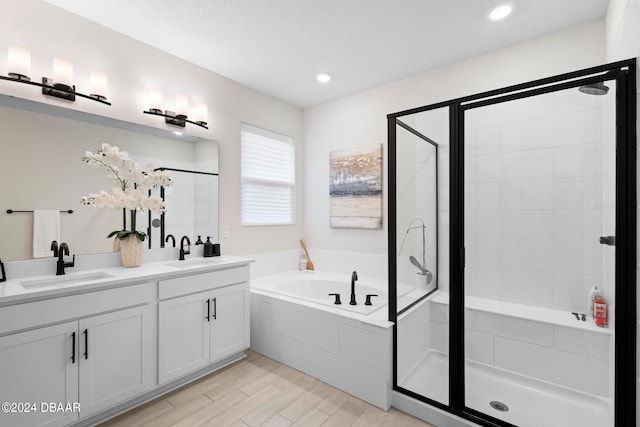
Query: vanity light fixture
180	116
61	85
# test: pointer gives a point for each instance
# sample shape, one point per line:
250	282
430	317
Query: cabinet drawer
31	314
201	282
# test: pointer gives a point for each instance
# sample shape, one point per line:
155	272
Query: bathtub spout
354	277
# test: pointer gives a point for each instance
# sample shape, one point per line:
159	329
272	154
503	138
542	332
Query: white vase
131	251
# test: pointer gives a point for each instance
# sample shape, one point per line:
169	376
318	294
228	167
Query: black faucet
182	251
354	277
4	276
173	239
63	250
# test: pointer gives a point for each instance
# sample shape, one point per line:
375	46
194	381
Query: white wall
361	119
133	68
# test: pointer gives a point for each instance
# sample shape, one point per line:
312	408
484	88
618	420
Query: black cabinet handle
215	310
86	344
73	347
208	311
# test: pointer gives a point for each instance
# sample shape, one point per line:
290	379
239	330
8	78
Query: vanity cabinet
36	367
197	329
78	357
114	354
96	362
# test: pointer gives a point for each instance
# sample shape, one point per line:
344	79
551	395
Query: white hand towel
46	228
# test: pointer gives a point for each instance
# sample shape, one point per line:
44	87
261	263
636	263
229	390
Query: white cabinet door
39	367
229	321
183	334
116	350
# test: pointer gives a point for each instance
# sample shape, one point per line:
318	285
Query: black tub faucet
173	239
63	250
184	252
354	277
4	276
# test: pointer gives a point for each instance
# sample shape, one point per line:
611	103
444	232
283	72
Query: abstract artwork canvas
355	187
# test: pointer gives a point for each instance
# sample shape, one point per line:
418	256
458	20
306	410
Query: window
268	177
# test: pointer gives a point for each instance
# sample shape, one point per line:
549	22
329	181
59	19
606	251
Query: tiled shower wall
535	197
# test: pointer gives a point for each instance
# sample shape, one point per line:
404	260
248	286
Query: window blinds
268	177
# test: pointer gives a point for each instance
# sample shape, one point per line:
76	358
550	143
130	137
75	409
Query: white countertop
33	288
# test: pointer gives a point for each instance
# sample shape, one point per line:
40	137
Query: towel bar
10	211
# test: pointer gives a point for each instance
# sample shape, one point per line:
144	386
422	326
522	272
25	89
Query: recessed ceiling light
323	77
500	12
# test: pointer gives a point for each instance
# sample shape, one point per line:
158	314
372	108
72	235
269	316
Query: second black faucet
63	250
184	252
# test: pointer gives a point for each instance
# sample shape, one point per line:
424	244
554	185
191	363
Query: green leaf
113	233
123	234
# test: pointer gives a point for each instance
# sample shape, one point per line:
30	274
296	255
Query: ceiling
278	46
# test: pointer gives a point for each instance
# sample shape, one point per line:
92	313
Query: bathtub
294	321
315	287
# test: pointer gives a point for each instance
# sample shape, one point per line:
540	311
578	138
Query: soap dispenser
208	248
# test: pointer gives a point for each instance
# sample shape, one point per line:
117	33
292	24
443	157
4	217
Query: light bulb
98	85
323	77
155	100
201	113
19	61
182	105
62	72
500	12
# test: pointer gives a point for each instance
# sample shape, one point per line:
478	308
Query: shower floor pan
530	402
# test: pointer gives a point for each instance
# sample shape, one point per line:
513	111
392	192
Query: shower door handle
608	240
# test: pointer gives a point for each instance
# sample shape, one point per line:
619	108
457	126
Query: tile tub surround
347	350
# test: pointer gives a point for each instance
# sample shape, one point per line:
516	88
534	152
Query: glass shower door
421	304
539	193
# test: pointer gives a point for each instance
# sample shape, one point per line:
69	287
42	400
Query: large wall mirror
41	168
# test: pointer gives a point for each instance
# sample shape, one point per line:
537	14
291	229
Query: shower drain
499	406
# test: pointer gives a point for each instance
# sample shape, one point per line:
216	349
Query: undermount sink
195	262
65	280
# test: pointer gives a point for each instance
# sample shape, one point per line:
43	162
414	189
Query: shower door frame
624	73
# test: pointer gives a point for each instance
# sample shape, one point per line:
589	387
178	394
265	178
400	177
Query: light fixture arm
174	119
59	91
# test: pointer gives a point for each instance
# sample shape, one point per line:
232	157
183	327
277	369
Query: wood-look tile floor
258	391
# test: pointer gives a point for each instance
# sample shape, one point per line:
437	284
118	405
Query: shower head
422	268
594	89
414	261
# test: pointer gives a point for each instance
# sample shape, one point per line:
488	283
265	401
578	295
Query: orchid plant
132	186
